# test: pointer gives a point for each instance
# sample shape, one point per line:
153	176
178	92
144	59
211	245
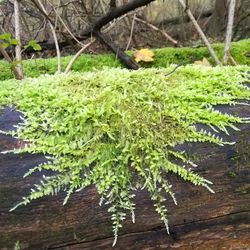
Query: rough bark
217	23
200	221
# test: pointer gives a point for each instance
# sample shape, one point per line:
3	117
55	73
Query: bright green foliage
8	40
34	45
118	129
163	58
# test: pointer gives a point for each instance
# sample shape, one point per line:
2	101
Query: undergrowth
163	58
117	130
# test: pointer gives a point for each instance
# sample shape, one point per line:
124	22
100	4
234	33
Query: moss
232	174
118	129
163	58
5	71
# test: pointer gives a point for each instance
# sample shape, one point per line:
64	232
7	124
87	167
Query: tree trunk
19	67
201	220
217	23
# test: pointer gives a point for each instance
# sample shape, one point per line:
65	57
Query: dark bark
217	23
200	221
113	14
112	4
127	60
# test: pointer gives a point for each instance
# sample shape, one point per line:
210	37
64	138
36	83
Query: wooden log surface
201	220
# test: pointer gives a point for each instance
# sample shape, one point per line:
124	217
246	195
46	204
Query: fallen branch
127	60
167	36
224	213
113	14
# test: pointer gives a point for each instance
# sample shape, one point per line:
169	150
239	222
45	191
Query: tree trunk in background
19	67
217	23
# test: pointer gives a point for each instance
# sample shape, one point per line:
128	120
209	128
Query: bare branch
229	31
115	13
55	38
167	36
201	33
69	66
131	32
119	53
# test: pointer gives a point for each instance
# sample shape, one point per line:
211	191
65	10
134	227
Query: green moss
232	174
163	58
117	129
5	71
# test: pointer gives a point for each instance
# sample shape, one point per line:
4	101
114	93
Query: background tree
18	38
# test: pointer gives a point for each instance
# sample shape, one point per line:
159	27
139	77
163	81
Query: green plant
7	40
15	65
17	245
118	129
34	45
163	58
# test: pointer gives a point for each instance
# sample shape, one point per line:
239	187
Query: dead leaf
144	55
204	62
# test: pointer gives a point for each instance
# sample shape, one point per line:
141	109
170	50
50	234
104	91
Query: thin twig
70	64
175	68
201	33
131	32
232	60
167	36
59	66
65	26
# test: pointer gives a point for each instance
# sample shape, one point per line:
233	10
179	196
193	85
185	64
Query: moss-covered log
163	57
201	220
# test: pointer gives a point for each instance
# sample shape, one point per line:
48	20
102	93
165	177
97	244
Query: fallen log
201	220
